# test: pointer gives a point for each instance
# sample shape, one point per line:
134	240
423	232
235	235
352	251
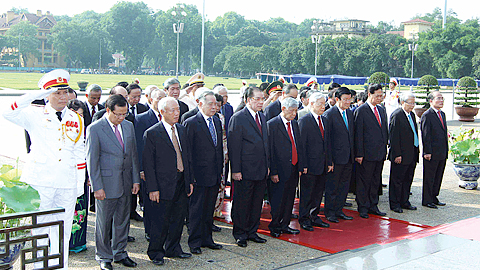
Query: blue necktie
344	114
415	141
211	128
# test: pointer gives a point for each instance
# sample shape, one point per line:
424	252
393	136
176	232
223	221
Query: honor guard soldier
56	162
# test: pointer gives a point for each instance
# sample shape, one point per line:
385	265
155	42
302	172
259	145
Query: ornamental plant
467	92
426	83
464	145
380	78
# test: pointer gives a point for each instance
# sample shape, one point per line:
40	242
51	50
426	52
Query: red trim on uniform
56	82
15	104
13	108
81	166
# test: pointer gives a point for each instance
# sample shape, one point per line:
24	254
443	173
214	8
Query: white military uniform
56	163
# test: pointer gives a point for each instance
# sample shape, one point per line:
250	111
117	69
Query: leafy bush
427	83
380	78
466	87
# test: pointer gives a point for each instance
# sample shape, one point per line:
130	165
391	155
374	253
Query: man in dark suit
275	108
285	166
114	173
249	158
316	157
341	127
435	150
143	122
172	87
227	109
94	93
331	95
194	111
204	133
168	178
134	94
371	139
403	153
116	90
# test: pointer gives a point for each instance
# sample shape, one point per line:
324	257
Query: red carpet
341	236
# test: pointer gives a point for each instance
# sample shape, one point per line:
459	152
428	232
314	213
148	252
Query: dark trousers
202	206
311	194
247	207
432	180
167	224
401	178
147	209
336	189
368	181
282	197
133	208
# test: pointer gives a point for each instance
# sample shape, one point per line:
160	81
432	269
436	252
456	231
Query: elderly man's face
437	101
344	101
256	102
289	113
409	104
93	98
224	94
319	106
377	97
117	115
173	90
209	105
134	96
171	113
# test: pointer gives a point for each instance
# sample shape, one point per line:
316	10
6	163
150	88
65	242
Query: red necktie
294	148
160	117
377	115
258	123
321	126
441	119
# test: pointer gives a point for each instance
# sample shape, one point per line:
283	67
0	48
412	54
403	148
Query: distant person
172	88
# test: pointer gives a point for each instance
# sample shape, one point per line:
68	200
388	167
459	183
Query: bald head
119	90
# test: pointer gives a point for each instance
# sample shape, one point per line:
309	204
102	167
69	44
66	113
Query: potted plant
465	155
426	83
82	85
380	78
15	196
466	88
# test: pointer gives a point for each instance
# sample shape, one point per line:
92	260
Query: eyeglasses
120	115
411	103
256	98
439	98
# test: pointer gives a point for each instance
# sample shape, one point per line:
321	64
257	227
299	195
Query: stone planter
467	114
468	174
419	111
82	85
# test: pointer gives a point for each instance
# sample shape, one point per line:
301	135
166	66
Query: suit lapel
282	125
339	115
314	123
204	127
164	135
107	129
252	120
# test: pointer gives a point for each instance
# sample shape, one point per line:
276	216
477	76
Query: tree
23	35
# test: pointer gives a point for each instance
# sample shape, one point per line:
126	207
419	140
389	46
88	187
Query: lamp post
413	47
178	27
316	38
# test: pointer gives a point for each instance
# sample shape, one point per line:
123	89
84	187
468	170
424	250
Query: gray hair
406	95
200	91
311	92
148	90
289	103
169	82
288	88
316	96
219	88
163	103
156	93
94	88
203	96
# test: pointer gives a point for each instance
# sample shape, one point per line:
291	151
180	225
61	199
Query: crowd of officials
173	156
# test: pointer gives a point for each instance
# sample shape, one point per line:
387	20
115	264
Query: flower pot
12	256
82	85
467	114
468	174
419	111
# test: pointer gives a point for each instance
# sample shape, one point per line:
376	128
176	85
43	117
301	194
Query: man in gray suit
114	174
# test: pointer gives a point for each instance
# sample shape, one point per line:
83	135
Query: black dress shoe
347	204
127	262
345	217
289	230
364	215
294	216
307	227
440	203
184	255
130	239
215	228
257	239
196	250
398	210
242	242
333	219
106	266
431	205
377	212
158	262
136	216
275	234
383	185
213	246
410	207
320	223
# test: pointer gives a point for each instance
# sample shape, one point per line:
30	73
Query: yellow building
48	57
413	27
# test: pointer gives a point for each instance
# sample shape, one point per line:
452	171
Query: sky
294	11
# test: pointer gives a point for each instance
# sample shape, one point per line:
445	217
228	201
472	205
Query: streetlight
178	27
413	47
316	38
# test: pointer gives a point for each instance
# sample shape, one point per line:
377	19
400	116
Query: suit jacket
402	137
183	108
314	147
110	167
340	141
371	139
207	159
227	111
247	146
434	135
86	115
273	109
98	115
143	122
281	148
160	161
188	114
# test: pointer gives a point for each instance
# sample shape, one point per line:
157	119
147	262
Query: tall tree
23	36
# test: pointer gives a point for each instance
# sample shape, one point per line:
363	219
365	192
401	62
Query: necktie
321	126
344	114
294	148
133	110
377	116
258	123
159	117
441	119
177	150
93	111
415	140
211	128
59	116
119	137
